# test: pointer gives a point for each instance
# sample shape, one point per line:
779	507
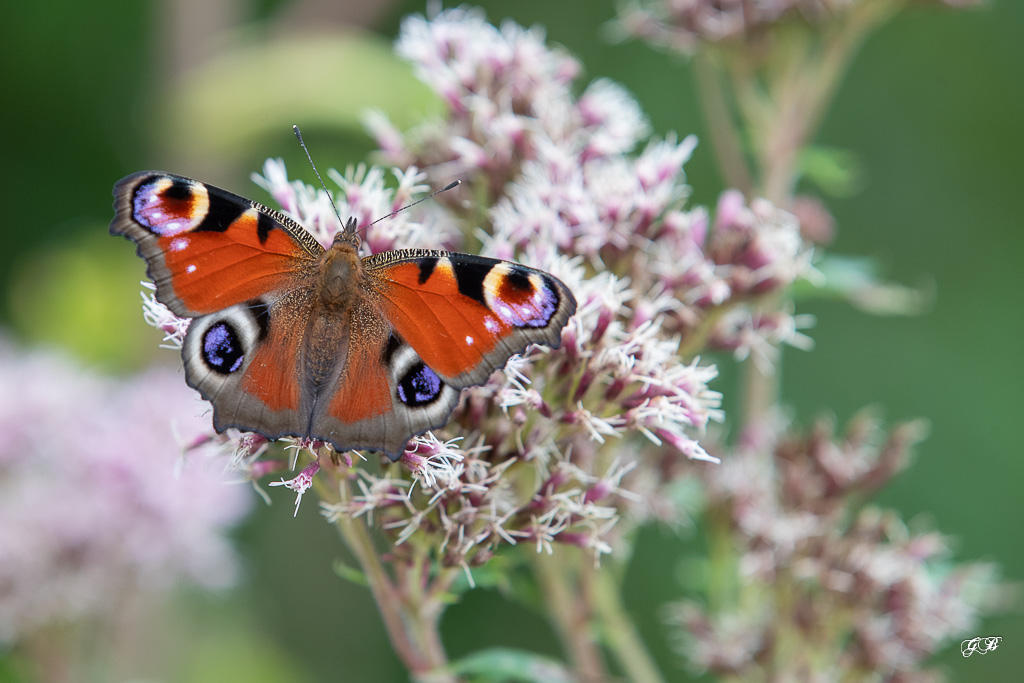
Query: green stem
724	585
761	387
411	623
570	613
425	607
725	139
621	635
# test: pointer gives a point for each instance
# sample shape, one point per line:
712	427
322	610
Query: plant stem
570	612
725	140
411	623
425	609
620	634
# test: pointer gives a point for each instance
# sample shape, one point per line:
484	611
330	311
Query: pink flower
98	500
300	483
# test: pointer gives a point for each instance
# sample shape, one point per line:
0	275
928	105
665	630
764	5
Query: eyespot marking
169	206
222	348
419	386
520	297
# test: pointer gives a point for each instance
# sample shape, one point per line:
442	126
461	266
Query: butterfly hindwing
350	382
208	249
384	396
246	360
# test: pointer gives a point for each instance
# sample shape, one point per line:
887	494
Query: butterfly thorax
341	275
335	312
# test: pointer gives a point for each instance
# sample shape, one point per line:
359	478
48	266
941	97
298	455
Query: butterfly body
291	339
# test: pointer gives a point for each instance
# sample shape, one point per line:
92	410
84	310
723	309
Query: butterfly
288	338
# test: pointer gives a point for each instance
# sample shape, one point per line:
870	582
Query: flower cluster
566	184
681	25
92	511
598	426
814	566
554	418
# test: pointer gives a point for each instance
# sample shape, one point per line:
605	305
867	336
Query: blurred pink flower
96	500
683	25
809	557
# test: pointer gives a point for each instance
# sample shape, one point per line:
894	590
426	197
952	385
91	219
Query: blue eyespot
419	386
222	350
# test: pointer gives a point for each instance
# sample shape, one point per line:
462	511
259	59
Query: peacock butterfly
290	339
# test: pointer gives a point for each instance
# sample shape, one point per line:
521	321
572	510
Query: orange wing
453	320
207	249
466	315
243	273
383	394
246	360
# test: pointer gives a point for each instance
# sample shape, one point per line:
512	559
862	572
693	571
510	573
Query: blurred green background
933	109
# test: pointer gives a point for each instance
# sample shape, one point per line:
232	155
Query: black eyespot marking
392	345
427	266
519	280
470	277
221	214
222	349
419	386
180	190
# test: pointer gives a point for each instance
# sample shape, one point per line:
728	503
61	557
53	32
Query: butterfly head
349	234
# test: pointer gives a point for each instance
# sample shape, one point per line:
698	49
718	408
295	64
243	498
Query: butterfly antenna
334	206
449	186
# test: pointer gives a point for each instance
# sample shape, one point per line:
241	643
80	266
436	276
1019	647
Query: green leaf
260	88
350	573
857	280
838	172
508	665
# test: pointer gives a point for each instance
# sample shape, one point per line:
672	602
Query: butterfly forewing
208	249
466	315
242	271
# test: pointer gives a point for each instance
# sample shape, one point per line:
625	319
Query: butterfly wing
382	393
436	322
466	315
242	272
207	249
247	361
